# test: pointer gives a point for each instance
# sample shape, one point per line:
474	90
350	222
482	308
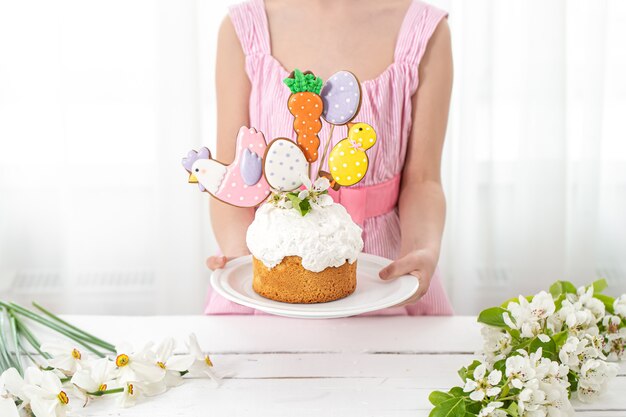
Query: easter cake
307	258
304	245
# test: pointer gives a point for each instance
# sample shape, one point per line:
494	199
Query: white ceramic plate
235	284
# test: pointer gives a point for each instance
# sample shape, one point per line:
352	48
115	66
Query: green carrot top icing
301	83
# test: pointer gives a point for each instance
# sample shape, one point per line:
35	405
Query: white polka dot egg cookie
284	164
348	161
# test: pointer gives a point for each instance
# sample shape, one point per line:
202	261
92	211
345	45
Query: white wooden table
375	366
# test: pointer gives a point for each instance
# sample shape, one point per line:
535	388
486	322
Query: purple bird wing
251	167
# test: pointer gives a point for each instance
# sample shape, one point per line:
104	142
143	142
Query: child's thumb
397	268
216	262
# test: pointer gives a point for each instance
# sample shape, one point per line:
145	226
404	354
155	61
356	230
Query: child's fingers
216	262
398	268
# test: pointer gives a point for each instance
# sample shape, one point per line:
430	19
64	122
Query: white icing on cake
325	237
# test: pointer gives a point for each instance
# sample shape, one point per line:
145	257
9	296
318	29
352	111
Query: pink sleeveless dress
386	105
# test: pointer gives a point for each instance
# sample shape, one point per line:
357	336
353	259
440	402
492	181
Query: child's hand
217	262
419	263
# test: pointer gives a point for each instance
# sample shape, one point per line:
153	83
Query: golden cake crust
289	282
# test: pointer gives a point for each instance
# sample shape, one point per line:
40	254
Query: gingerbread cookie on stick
306	106
241	183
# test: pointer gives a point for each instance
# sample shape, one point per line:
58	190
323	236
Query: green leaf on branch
515	300
599	286
493	317
560	339
562	287
437	397
512	409
548	349
457	392
454	407
558	301
463	373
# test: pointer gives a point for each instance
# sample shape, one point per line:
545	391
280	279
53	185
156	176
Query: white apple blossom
519	370
527	317
619	306
597	372
47	397
576	351
589	302
493	409
484	384
497	343
66	356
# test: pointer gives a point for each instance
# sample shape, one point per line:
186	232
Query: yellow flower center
102	387
131	389
63	399
76	354
208	361
122	360
161	365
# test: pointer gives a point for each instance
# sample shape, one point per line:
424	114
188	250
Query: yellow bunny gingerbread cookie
348	161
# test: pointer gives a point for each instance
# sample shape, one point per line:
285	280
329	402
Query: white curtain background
100	100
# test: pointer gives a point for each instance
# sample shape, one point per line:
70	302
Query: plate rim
216	283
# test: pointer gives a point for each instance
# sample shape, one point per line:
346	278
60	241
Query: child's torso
359	36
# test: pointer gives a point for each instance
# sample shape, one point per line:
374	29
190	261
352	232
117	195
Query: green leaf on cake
301	206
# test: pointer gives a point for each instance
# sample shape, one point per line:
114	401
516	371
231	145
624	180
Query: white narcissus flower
483	385
132	392
619	305
137	366
13	383
173	366
47	398
202	365
8	408
66	356
100	376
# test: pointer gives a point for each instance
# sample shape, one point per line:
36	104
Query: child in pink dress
400	203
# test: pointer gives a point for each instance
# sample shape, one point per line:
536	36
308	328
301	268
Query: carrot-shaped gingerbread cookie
306	106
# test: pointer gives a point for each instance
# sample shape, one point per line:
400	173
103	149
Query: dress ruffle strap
420	22
250	22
